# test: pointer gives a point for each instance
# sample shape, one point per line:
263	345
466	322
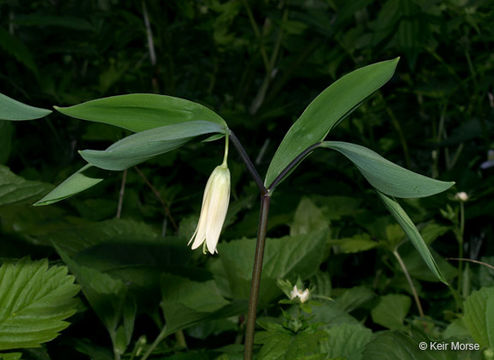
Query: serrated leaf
413	234
144	145
79	181
391	310
386	176
35	299
346	341
392	346
327	110
138	112
14	110
14	189
279	345
479	316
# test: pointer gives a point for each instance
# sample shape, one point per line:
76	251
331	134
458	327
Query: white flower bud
461	196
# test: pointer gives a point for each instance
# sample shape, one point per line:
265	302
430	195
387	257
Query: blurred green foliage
257	63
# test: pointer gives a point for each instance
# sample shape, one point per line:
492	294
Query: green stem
410	282
256	276
460	245
155	343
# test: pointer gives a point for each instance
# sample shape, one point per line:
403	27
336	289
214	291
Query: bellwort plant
162	123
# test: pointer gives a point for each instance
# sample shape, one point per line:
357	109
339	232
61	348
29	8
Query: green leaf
109	300
413	234
138	112
308	217
279	345
35	299
479	316
385	176
11	356
391	311
81	180
14	189
356	243
346	341
392	346
284	258
327	110
355	297
186	302
144	145
11	109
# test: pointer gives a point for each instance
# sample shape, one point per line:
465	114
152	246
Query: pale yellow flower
213	212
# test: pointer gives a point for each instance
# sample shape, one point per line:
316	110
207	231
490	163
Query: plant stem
155	343
459	235
248	163
410	282
256	276
121	194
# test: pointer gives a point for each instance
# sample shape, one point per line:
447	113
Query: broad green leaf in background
288	257
11	356
308	218
355	297
108	298
14	189
138	112
144	145
77	182
389	345
413	234
283	345
385	176
11	109
354	244
35	299
346	341
391	311
479	316
186	302
327	110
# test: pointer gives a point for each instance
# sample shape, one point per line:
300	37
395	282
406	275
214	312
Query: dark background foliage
258	64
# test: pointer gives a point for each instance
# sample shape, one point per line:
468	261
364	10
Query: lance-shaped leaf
34	302
327	110
386	176
413	234
144	145
138	112
81	180
11	109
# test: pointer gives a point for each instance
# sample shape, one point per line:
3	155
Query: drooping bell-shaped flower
213	212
